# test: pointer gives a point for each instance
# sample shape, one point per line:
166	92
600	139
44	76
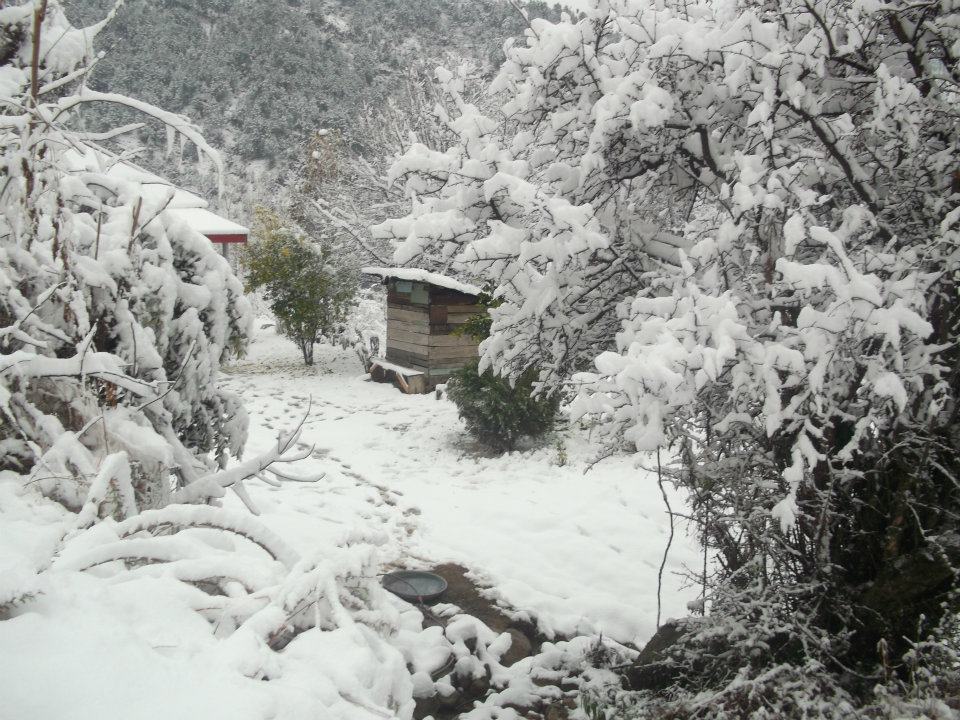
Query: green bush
309	294
497	414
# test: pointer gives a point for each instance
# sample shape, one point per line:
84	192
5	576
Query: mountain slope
260	76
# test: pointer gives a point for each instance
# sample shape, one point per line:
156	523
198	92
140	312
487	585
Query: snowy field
577	554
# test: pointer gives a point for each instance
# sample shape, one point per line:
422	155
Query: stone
520	647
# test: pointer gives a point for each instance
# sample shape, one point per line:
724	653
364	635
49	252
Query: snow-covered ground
579	552
576	553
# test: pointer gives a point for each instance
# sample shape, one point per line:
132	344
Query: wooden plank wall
419	336
451	309
408	332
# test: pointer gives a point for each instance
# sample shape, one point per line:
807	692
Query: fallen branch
215	485
182	517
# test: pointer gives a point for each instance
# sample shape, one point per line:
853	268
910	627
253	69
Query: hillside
259	77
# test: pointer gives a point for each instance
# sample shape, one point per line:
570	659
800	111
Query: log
457	318
415	361
412	327
412	383
410	347
405	336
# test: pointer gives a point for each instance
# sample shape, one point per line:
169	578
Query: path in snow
578	553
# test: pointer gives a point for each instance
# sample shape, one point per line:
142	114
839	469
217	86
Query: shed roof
418	275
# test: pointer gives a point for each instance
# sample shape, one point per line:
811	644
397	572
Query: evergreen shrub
498	414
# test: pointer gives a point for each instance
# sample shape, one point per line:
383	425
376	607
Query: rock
472	688
520	647
425	707
451	700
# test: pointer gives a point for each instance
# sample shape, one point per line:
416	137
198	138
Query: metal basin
415	585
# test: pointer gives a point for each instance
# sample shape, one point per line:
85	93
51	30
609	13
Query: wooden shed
423	310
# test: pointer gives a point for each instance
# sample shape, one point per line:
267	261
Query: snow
178	204
206	222
85	157
403	487
578	552
391	367
418	275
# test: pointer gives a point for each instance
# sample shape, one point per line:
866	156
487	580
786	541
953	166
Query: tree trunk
306	348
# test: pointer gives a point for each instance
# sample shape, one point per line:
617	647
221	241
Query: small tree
308	293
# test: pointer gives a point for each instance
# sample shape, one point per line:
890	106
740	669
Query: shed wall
420	320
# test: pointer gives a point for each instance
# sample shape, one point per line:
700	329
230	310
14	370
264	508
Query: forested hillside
258	77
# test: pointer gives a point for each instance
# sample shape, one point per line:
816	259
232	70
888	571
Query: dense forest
260	77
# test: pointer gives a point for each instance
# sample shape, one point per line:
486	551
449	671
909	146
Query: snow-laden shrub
736	226
366	325
114	318
500	413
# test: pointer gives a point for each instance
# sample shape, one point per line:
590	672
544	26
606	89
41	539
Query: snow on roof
206	222
418	275
90	158
183	205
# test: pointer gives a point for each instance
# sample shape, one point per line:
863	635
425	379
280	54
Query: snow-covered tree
114	317
342	188
736	225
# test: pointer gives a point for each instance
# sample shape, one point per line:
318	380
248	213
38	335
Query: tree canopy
735	229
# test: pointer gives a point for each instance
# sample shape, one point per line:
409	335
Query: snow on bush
113	320
735	227
113	324
124	590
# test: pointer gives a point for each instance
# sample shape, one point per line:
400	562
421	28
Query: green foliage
307	292
478	326
497	413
